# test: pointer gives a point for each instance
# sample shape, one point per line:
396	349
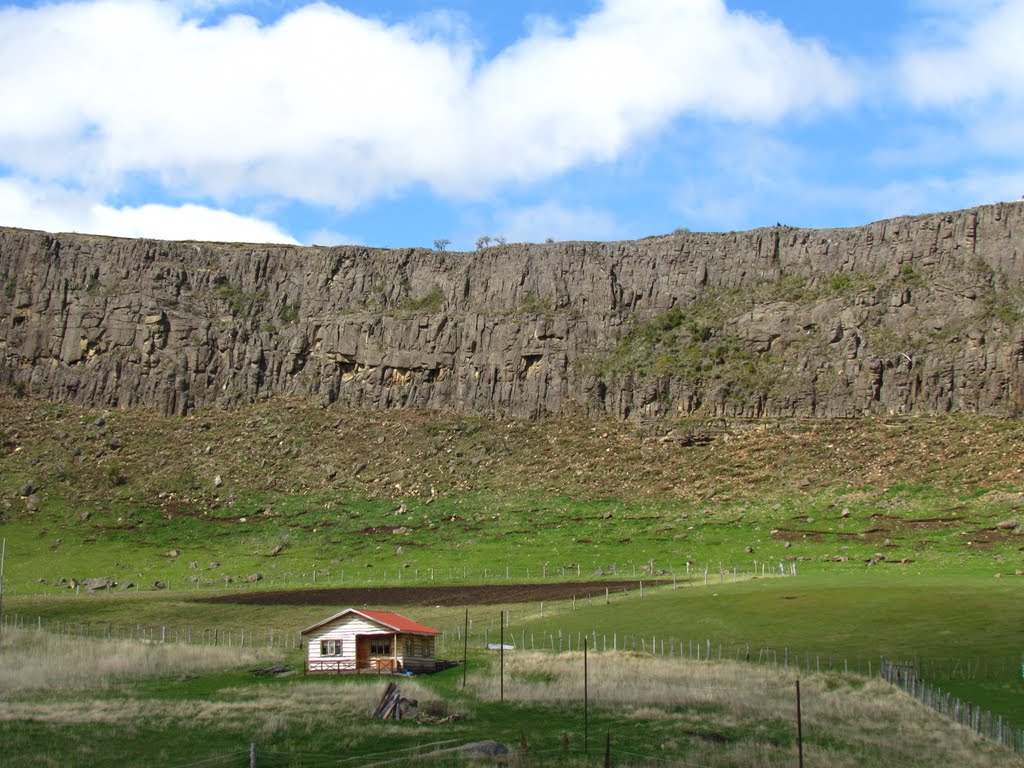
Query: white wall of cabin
347	628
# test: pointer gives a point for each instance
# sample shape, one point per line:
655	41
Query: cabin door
362	652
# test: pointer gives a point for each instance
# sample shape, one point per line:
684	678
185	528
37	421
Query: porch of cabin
374	653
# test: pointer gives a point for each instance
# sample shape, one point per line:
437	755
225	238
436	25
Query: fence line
981	721
240	637
402	575
704	649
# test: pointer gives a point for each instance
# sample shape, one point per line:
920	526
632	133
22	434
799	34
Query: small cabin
359	640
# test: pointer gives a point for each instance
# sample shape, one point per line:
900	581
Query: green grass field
304	496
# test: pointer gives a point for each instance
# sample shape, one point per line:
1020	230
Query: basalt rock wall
910	315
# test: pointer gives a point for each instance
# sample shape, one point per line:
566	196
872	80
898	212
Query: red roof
393	621
399	622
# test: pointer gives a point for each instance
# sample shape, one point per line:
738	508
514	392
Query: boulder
94	584
484	749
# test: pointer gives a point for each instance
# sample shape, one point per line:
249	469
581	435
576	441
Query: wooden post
799	728
501	655
465	649
252	754
586	703
607	749
3	555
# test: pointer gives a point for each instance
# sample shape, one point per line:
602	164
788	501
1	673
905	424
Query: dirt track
484	594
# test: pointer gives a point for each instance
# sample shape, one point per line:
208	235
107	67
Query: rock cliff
911	315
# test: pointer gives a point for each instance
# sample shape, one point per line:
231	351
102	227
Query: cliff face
910	315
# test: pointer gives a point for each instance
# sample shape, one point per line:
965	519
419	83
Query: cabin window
410	646
330	647
380	645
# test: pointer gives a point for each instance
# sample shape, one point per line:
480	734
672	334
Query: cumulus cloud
537	223
56	209
976	61
971	76
327	107
204	6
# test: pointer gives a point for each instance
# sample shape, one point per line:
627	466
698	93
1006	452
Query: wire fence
607	752
240	637
981	721
211	577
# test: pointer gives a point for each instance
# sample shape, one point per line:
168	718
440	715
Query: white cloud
537	223
327	107
972	75
56	209
185	222
330	237
980	62
203	6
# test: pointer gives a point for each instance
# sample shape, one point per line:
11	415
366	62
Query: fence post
799	727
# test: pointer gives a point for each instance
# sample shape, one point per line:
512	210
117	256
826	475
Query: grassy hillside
87	493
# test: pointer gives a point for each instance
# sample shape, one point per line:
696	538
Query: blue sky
400	122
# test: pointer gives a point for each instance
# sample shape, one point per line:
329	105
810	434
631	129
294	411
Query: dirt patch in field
483	594
921	523
807	534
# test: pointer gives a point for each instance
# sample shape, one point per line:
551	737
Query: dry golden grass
37	668
38	661
270	708
847	721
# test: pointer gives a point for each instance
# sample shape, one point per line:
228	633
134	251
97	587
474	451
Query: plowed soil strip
482	594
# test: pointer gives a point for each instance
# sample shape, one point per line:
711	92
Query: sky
400	123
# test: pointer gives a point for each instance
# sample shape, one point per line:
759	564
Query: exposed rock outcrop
910	315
